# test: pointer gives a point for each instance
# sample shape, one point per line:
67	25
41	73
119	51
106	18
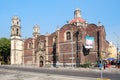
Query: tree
5	50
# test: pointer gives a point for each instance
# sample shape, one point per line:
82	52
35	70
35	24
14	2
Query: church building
75	43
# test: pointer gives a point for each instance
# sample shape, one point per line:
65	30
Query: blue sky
49	14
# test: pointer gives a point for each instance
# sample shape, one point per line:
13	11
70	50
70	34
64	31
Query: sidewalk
95	69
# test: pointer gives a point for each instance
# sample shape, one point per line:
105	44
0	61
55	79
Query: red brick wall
65	47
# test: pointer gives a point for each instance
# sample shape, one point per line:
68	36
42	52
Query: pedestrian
100	65
104	64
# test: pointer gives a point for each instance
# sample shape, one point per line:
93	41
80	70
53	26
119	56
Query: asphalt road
64	71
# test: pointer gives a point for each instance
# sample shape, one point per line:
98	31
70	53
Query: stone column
33	53
46	53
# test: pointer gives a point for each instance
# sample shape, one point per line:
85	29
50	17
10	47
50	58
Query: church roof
78	19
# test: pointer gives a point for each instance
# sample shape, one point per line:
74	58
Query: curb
103	79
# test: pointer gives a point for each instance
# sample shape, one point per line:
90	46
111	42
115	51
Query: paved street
20	75
34	73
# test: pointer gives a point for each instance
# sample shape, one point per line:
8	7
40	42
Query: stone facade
16	42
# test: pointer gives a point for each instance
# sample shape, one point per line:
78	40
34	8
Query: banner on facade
89	42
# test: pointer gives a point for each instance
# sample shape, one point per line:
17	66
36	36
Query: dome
79	19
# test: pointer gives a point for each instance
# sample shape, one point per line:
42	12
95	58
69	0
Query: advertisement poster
89	42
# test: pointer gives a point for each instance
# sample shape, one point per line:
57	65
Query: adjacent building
112	51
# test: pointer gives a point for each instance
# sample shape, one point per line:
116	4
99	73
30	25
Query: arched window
30	45
13	31
68	35
41	45
17	32
17	22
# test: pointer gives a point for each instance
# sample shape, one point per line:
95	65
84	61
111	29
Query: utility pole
117	54
117	45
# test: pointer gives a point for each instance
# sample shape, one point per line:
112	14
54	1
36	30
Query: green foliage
86	65
2	62
4	49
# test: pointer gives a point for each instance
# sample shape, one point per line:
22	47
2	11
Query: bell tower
16	41
36	31
16	28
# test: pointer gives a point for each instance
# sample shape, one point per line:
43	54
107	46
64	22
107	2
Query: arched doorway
41	62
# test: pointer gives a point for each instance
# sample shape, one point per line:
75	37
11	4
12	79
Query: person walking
100	65
104	64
